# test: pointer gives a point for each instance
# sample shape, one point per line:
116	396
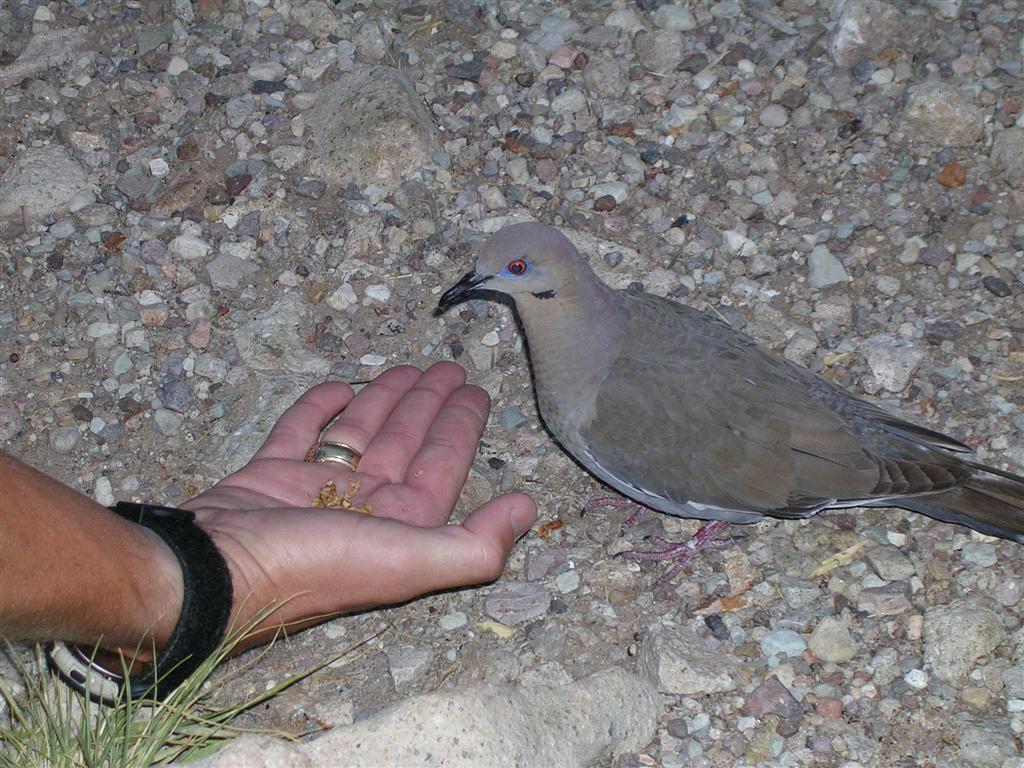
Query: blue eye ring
517	267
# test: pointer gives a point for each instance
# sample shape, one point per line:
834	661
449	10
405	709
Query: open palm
417	432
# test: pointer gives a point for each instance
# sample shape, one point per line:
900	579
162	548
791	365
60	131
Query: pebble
12	424
825	269
892	360
567	582
774	116
64	439
188	247
890	600
956	636
832	641
167	422
771	697
672	16
916	678
679	661
103	492
407	665
379	293
784	642
979	553
939	113
517	602
372	360
890	563
1007	155
512	418
452	620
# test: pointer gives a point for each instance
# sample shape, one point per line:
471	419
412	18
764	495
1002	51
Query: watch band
205	611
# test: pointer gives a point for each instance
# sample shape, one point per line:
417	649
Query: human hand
417	432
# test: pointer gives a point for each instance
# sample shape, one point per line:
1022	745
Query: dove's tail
991	501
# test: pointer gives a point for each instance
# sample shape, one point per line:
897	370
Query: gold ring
338	453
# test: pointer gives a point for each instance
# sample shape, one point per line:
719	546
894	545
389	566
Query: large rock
864	28
40	182
369	127
49	48
257	412
583	723
271	341
1008	155
956	636
938	113
679	661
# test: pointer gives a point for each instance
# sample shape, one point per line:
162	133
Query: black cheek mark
546	294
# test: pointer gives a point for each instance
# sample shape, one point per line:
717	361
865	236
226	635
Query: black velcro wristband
205	611
206	599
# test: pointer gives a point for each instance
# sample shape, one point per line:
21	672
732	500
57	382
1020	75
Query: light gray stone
890	563
167	422
271	341
408	664
47	48
64	439
986	744
41	182
369	127
12	424
227	271
659	51
517	602
825	269
605	76
679	661
774	116
1008	155
256	413
892	360
956	636
577	724
939	113
864	28
677	17
890	600
831	640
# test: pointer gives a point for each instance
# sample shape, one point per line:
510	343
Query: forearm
70	569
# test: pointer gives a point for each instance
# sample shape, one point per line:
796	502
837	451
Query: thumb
462	555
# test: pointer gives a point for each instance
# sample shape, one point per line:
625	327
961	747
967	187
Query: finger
300	425
440	467
410	561
369	409
393	447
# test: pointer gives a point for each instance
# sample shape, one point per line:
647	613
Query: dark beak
469	281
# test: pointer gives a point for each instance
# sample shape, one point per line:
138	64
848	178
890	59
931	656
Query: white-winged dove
680	412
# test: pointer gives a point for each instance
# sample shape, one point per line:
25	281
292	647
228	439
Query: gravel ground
206	207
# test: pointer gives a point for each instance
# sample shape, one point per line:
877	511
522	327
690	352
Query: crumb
418	473
328	498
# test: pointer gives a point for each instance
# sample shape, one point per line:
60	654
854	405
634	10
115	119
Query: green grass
49	725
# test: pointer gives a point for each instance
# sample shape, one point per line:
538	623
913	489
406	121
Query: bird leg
684	552
618	502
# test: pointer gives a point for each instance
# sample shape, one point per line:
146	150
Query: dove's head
521	260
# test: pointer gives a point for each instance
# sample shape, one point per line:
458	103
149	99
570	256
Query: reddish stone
953	175
829	708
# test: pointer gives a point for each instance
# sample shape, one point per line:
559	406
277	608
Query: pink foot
618	502
685	551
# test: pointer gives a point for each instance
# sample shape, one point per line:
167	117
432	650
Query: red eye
517	267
